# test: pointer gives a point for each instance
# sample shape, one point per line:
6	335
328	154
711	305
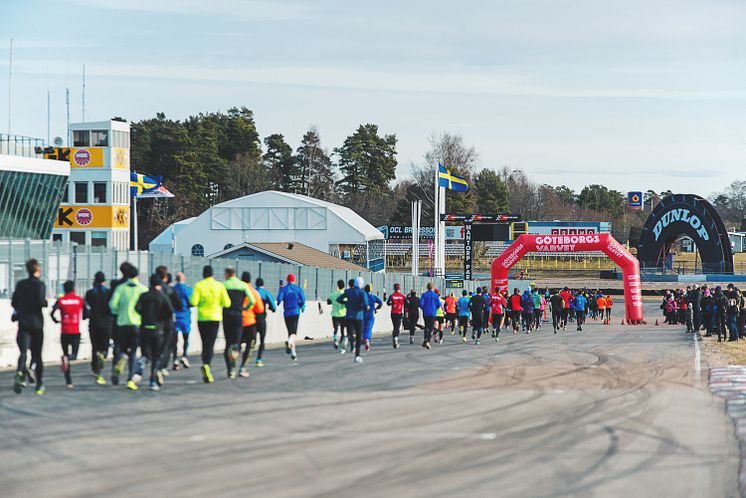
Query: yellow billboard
120	158
83	217
79	157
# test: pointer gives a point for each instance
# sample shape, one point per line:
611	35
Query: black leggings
429	327
151	344
338	323
70	346
396	319
248	337
355	326
261	332
128	342
412	322
99	344
232	328
208	332
164	352
175	344
33	340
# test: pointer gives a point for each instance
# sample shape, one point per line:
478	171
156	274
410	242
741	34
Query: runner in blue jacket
369	317
293	302
356	304
183	321
429	304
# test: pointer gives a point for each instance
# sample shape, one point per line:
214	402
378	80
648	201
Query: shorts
440	319
291	322
451	317
463	321
183	326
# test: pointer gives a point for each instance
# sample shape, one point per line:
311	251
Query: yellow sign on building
79	157
120	158
80	217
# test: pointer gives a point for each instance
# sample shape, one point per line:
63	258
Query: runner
261	319
240	298
412	312
122	304
156	311
369	317
70	305
118	359
580	303
440	318
609	304
355	301
601	307
566	297
516	310
462	305
209	297
537	307
451	312
250	313
28	300
396	302
487	312
477	305
338	315
168	326
557	304
99	324
527	305
497	305
183	322
294	303
429	304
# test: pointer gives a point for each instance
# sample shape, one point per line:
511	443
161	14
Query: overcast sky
635	94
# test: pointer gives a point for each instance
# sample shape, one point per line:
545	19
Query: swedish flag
450	181
142	184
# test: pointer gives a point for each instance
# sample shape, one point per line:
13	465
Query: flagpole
436	224
134	220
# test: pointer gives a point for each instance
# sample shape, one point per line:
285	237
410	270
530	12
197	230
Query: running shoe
18	383
358	359
396	343
259	363
232	374
64	364
40	390
154	386
136	378
244	372
464	339
426	345
411	339
185	362
293	355
30	377
119	367
497	339
131	385
207	375
165	372
335	343
343	350
176	366
477	343
100	359
158	377
100	380
287	347
367	344
71	386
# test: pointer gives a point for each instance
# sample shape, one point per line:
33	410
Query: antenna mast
10	82
83	111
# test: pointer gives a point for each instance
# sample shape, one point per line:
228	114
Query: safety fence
67	261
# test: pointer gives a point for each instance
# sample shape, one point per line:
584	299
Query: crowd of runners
127	317
713	310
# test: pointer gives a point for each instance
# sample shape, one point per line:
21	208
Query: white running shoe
358	359
185	362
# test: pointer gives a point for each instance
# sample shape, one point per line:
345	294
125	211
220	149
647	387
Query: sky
634	95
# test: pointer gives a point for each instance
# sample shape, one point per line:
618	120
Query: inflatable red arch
576	243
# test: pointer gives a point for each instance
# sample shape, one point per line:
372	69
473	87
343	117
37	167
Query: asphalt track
610	411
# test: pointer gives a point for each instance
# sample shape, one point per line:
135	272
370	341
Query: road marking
697	361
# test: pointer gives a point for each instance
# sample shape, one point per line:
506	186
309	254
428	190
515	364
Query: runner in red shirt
396	301
567	298
70	306
451	312
497	309
516	309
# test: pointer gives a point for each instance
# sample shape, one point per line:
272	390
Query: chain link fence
66	261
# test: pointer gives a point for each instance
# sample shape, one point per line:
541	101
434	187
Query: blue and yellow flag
142	184
450	181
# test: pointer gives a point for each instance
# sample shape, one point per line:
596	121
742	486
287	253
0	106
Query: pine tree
317	176
281	164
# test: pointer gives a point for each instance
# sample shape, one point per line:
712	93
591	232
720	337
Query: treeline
210	158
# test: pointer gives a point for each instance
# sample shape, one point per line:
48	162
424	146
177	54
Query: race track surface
610	411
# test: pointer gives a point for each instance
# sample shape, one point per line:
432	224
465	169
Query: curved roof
349	216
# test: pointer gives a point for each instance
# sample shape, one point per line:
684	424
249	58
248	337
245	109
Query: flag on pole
142	184
160	193
450	181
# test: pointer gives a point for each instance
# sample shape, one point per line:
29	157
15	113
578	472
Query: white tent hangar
273	216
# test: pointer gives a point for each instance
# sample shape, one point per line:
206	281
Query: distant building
30	193
281	252
95	207
277	217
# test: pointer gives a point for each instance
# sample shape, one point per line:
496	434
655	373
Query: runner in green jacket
209	297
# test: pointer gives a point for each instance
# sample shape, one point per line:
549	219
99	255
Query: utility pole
83	96
10	83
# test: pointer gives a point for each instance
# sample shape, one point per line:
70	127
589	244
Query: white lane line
697	361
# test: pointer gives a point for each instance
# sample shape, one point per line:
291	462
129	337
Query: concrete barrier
315	323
